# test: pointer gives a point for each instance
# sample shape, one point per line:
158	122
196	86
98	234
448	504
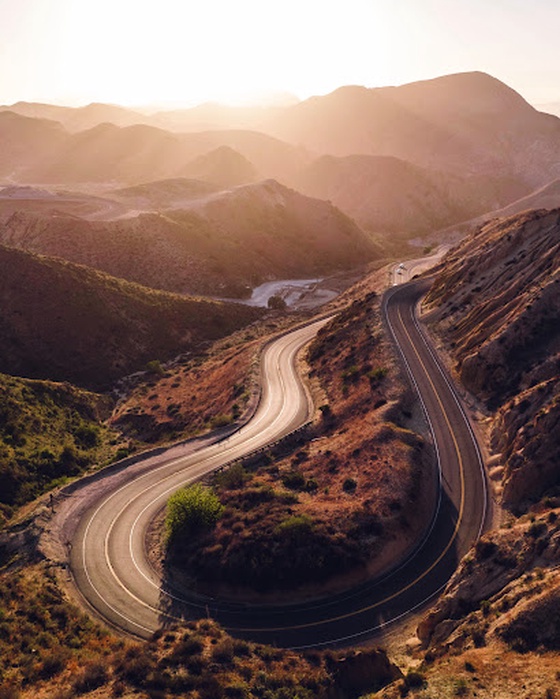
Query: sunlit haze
180	52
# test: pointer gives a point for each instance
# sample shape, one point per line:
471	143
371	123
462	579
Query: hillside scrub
310	513
48	647
62	321
226	247
48	432
193	390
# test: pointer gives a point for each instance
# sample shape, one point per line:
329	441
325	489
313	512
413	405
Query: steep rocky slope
68	322
223	247
496	304
495	632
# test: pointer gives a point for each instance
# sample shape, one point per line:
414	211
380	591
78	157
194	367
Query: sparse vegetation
48	646
111	328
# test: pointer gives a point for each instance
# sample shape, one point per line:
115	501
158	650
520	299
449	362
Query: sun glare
176	51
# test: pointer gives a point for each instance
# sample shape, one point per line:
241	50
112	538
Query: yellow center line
428	570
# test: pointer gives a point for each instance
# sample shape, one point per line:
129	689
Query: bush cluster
192	510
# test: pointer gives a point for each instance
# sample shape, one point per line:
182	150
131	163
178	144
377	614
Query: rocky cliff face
496	304
506	589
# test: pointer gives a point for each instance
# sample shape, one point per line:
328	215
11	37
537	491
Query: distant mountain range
406	159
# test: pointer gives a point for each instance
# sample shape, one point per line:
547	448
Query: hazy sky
136	52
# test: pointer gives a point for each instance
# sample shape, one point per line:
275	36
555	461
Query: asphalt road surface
108	557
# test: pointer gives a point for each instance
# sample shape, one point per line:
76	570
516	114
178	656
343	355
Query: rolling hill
223	167
26	143
225	246
164	194
79	118
388	195
67	322
39	150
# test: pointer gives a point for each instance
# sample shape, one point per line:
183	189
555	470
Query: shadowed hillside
67	322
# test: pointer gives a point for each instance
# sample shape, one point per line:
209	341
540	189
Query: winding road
107	538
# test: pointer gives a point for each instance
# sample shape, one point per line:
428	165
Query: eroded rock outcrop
496	305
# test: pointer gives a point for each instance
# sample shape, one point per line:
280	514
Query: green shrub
296	526
221	420
352	374
192	509
484	549
223	651
233	477
375	376
414	679
461	687
277	303
486	607
311	486
537	529
154	367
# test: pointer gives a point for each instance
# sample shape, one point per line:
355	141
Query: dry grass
48	648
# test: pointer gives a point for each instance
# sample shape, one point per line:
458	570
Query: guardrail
295	438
